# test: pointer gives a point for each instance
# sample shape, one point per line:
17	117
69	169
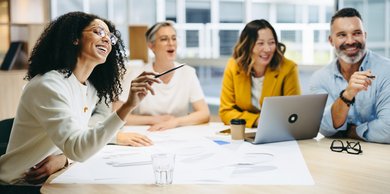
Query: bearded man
358	84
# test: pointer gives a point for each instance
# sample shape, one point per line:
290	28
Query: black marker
173	69
371	76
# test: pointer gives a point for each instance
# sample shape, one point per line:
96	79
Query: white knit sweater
51	119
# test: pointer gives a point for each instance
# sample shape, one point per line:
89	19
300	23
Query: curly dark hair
55	50
243	49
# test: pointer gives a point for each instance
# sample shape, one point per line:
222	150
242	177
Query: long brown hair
243	49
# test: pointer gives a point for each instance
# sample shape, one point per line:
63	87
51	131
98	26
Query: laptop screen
285	118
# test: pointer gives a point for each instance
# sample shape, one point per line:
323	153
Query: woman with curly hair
257	69
77	63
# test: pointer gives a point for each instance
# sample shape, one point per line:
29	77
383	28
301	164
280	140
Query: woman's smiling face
95	45
265	47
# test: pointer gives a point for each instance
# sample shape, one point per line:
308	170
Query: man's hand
359	81
351	132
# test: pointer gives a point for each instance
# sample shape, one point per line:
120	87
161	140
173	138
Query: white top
50	119
256	88
173	98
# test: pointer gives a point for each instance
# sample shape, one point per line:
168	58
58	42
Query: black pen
371	76
161	74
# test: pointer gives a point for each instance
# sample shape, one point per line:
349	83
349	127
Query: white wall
28	18
27	11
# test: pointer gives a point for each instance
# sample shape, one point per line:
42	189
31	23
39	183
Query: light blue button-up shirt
371	110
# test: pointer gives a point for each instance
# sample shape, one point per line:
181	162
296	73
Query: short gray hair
150	34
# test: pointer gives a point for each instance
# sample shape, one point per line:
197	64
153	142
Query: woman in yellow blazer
257	69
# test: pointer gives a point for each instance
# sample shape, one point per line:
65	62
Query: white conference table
332	173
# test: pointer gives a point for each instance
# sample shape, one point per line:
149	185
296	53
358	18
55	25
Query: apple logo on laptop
293	118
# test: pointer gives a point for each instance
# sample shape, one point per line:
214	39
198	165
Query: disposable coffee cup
237	129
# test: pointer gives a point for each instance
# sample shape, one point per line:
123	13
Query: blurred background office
207	29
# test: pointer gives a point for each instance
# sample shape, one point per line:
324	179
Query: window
170	10
99	7
231	12
328	13
260	11
228	39
142	13
198	11
286	13
64	7
313	14
376	28
120	13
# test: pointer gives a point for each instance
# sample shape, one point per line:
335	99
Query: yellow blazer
236	90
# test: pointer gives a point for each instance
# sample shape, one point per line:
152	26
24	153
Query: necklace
84	93
85	109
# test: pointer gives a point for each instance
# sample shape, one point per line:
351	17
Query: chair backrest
5	131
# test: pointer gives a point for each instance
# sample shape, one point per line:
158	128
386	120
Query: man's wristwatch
346	101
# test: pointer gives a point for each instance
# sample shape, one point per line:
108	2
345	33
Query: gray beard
348	59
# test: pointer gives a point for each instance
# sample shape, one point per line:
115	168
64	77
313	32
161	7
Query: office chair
5	131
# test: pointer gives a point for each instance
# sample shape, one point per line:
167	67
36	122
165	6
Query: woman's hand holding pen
139	88
359	81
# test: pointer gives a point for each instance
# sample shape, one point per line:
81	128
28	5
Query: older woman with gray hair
169	108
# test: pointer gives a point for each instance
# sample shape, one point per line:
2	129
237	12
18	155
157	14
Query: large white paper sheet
199	160
271	164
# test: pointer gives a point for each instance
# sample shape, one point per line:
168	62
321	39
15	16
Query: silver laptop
285	118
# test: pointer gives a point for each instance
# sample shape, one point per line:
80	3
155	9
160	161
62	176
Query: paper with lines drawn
199	160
